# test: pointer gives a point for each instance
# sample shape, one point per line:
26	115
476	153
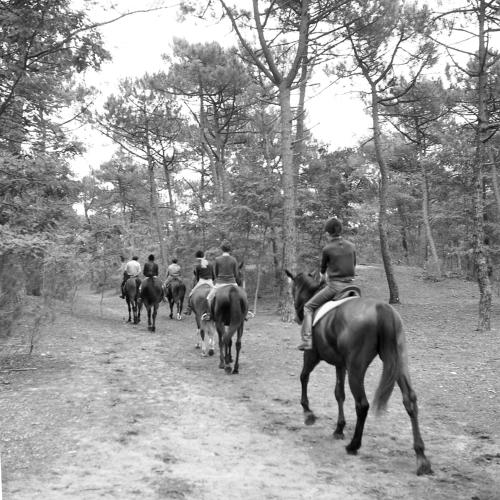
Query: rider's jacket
150	269
203	270
338	260
226	269
133	268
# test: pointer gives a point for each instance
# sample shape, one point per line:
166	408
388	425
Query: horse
349	337
228	311
175	292
132	296
199	304
151	296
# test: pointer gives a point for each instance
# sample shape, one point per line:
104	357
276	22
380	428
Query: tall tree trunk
153	200
289	226
171	202
480	250
383	190
494	179
436	271
300	131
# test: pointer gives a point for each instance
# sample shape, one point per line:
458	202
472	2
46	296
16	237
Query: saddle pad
328	306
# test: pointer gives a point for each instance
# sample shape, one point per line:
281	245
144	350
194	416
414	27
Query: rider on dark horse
173	273
132	268
150	269
338	262
226	272
203	275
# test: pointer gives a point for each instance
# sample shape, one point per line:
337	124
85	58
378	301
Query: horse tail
390	330
237	309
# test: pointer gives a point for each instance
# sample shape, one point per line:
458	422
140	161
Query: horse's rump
152	291
230	307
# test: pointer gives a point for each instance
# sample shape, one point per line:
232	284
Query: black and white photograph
249	249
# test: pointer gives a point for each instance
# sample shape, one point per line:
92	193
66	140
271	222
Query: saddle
348	293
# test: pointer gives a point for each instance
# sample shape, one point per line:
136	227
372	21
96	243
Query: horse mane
308	281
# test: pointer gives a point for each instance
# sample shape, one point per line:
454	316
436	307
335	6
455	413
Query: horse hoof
424	468
203	354
228	370
197	346
310	419
338	435
235	372
211	352
221	365
350	450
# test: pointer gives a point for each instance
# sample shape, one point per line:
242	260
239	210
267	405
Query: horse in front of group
131	292
151	296
175	292
228	310
349	337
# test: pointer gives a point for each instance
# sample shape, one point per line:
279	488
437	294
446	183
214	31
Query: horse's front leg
340	397
311	359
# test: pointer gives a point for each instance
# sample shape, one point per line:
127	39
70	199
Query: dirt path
113	411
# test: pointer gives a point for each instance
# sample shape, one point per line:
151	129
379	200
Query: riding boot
306	332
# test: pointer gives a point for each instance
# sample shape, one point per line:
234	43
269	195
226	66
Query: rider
203	275
173	272
132	269
150	269
226	272
338	262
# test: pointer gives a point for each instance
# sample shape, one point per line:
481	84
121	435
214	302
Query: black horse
175	292
229	308
349	337
131	291
151	296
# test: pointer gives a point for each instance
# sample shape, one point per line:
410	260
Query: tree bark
436	272
480	250
383	191
289	226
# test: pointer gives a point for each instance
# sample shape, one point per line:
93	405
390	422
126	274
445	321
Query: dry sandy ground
109	410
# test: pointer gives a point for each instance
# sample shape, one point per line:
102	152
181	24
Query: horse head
304	286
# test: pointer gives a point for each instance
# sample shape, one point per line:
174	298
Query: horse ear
289	274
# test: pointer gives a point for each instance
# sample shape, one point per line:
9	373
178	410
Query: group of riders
224	272
337	269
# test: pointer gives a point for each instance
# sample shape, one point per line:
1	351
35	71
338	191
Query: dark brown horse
229	308
131	291
151	296
205	329
175	292
349	337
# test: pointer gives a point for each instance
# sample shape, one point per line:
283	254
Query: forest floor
106	410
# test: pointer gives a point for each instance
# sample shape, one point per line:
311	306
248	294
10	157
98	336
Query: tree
384	34
479	19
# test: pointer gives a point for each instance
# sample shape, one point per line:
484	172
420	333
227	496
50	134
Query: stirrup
205	316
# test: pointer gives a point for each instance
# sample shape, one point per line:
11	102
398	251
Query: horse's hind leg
410	403
238	347
129	312
155	312
311	359
340	397
356	376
